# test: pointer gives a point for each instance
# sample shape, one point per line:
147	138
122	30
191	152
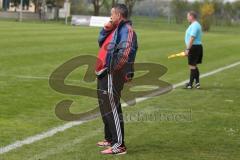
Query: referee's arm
190	44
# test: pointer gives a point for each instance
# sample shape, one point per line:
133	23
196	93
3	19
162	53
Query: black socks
197	75
194	74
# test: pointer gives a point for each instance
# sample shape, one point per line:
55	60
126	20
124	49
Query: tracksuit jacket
118	50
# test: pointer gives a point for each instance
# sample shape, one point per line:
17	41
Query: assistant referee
194	51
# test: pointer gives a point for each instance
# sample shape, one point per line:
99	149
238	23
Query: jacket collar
124	22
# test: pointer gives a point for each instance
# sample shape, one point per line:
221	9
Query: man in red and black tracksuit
114	67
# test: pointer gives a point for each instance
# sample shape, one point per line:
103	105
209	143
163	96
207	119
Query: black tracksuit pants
109	94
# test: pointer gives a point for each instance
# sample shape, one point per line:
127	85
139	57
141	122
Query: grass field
31	51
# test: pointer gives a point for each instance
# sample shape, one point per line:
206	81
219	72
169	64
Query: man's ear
119	15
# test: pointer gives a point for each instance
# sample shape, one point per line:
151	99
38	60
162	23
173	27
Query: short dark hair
193	14
122	9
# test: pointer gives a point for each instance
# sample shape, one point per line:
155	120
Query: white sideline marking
68	125
40	136
34	77
59	149
184	82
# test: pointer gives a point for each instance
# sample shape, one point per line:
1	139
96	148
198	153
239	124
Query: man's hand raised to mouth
109	26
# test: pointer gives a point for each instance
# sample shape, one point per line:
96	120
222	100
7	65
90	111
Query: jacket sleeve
102	36
124	48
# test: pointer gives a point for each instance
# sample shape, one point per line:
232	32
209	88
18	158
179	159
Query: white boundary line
68	125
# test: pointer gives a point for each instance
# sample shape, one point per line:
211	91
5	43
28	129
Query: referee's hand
186	52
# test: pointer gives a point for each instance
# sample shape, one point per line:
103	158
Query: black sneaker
197	85
188	86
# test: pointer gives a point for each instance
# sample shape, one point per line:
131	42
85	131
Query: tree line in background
97	5
209	11
108	4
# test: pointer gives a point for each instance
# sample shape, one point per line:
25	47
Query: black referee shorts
195	55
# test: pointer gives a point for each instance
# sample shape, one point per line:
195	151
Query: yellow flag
182	54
